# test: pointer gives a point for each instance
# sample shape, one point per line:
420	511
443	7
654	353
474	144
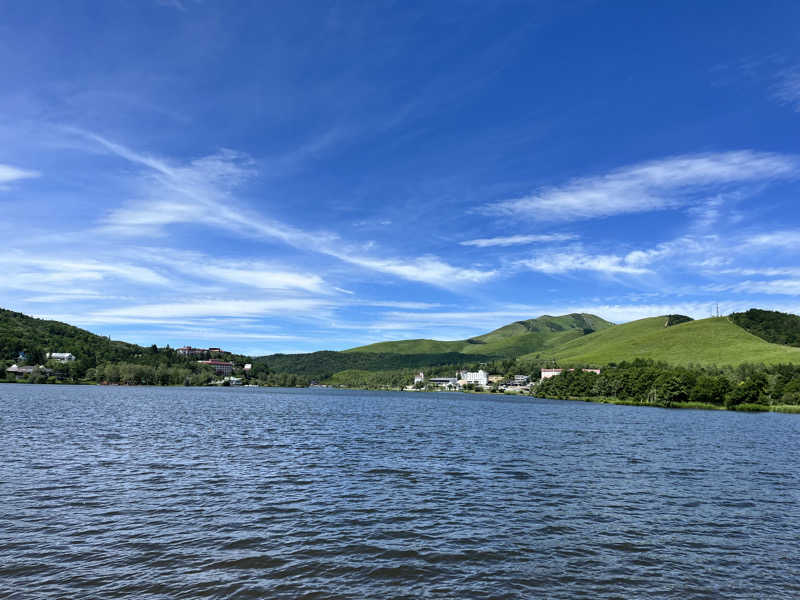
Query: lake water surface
271	493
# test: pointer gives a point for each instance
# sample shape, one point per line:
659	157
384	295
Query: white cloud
787	287
765	272
787	88
400	304
266	279
684	247
567	261
65	297
425	269
212	308
778	239
201	193
59	275
650	186
9	174
515	240
256	274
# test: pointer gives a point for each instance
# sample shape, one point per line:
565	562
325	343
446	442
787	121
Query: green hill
512	340
97	358
770	325
19	332
323	364
715	341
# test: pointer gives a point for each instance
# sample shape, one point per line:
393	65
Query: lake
275	493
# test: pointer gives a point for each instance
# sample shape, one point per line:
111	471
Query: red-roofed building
189	351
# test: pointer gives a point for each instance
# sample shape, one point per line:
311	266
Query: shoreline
752	408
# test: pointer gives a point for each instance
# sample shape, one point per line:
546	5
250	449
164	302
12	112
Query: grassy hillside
512	340
705	342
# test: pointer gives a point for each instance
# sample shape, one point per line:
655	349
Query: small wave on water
165	493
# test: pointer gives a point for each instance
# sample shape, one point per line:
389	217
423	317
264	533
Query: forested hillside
97	357
319	365
36	337
770	325
744	387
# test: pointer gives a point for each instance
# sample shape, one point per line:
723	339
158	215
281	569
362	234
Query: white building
189	351
60	356
449	383
521	379
419	378
28	370
478	378
548	373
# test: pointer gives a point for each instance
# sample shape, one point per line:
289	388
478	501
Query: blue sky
282	177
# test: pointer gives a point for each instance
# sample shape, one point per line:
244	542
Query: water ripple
251	493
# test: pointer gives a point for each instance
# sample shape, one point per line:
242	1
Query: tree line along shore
656	366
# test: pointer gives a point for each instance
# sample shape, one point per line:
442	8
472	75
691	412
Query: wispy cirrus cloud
61	275
554	263
10	173
786	287
201	192
212	308
519	240
685	252
425	269
269	276
777	239
786	89
656	185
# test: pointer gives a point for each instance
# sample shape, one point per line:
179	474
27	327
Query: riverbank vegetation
744	387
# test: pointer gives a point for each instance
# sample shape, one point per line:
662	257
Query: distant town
55	363
482	380
223	370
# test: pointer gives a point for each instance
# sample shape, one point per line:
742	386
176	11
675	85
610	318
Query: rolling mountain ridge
509	341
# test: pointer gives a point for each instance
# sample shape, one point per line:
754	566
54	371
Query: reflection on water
254	493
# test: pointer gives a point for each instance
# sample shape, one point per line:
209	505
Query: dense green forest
96	356
770	325
321	365
745	386
21	333
676	320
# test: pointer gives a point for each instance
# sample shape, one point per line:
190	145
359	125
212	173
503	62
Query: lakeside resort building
480	378
221	367
448	383
18	371
190	351
548	373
